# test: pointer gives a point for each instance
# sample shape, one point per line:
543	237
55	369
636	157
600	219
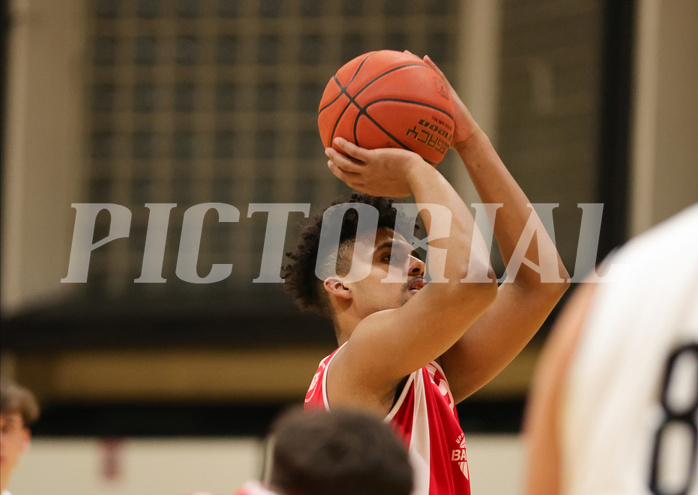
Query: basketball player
18	411
614	409
410	351
339	453
342	453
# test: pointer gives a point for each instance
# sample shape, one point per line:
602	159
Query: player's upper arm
543	422
498	336
388	345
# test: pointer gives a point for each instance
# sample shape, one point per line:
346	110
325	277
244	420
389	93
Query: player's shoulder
650	279
657	255
679	233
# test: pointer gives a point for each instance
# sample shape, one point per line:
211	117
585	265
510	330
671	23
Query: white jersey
631	398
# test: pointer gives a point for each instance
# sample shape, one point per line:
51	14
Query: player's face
14	440
396	274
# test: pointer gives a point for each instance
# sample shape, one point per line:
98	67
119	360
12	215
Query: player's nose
417	267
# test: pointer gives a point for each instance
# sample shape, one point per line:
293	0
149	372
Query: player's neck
346	318
345	325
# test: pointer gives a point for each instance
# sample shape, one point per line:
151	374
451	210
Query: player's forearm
495	184
465	246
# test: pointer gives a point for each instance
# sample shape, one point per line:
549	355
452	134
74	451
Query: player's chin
410	294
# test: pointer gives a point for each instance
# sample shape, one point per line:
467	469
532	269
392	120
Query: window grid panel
196	101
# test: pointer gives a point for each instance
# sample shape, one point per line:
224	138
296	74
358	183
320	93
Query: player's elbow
551	282
548	293
555	288
559	288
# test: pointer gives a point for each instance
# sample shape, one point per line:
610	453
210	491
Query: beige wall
152	467
176	467
44	148
665	152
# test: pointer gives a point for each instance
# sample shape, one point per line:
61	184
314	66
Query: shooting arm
388	345
523	301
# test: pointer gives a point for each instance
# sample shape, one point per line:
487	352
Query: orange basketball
388	99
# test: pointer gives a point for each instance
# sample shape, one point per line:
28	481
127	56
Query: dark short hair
299	274
17	399
340	453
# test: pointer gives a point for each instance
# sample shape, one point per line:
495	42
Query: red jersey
426	417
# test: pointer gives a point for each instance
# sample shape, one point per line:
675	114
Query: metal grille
197	101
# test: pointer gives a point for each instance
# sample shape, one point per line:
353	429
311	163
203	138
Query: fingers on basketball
351	149
433	65
388	99
353	180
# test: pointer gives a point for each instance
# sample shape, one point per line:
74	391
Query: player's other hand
465	124
379	172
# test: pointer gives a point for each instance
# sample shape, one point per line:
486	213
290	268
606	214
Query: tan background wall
665	152
176	467
155	467
43	156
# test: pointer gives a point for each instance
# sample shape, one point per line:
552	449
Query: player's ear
335	286
26	440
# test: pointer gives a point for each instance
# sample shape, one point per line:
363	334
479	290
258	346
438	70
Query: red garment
253	488
425	415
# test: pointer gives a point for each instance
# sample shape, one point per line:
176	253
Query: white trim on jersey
324	379
400	399
420	448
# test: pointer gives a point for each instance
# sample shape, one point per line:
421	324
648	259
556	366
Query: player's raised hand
379	172
465	124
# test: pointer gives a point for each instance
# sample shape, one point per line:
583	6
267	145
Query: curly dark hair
299	274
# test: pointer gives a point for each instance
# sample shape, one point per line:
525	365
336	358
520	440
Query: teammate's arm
523	302
543	426
388	345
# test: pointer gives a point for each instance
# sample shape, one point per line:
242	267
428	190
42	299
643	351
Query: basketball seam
362	111
343	90
336	79
352	99
402	100
388	72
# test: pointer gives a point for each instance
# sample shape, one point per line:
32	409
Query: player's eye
393	258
